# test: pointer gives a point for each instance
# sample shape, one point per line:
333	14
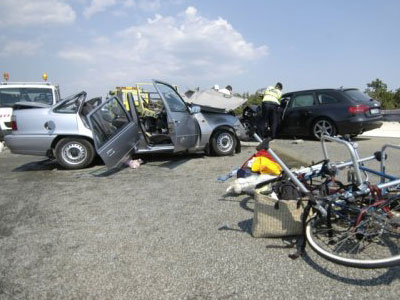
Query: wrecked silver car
154	119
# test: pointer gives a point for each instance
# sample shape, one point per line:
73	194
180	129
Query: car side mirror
195	109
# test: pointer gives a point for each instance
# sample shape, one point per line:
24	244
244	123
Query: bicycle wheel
373	243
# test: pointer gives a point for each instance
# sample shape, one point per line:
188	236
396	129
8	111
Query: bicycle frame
354	204
383	159
354	161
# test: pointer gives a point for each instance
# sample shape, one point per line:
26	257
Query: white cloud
76	55
185	48
19	48
97	6
28	12
149	5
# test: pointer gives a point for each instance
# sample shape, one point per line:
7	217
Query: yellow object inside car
140	96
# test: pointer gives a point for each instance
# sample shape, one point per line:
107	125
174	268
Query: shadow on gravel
388	277
162	160
169	161
41	165
245	225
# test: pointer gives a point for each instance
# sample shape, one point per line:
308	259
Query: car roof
14	85
320	90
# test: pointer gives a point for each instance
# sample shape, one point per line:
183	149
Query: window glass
9	96
303	100
326	99
357	95
71	104
174	101
107	121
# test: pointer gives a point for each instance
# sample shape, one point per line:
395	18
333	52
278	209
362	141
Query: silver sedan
75	129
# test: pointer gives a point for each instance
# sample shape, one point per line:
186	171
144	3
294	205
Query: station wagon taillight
358	109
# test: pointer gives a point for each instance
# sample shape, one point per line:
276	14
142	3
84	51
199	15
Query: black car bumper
358	126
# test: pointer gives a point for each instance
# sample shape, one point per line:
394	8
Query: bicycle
357	224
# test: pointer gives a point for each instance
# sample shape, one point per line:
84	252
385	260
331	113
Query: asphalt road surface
163	231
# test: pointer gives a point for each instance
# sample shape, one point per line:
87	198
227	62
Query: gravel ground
164	231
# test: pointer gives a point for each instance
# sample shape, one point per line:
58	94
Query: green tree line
376	89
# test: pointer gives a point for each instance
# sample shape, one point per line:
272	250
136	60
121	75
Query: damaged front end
214	103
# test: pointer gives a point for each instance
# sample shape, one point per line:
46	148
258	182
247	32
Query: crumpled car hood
211	100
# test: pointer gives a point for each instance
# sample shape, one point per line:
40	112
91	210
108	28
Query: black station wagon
330	111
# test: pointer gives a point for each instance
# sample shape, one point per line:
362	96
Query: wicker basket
275	222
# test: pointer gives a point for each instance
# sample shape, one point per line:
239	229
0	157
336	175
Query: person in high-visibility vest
270	109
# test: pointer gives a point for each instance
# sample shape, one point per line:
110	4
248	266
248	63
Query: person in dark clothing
270	110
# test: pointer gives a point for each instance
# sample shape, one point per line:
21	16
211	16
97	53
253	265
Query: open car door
182	125
115	134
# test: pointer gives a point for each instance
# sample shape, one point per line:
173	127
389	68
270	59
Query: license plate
375	111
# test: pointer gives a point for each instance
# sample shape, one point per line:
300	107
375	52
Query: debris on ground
134	163
223	178
260	167
247	185
298	141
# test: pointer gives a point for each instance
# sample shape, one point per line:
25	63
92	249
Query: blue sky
95	45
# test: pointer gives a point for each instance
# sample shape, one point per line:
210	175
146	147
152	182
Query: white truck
40	93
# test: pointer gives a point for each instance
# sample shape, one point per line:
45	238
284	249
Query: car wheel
74	153
322	126
223	142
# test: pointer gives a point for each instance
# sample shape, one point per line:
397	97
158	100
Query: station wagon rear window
327	99
357	95
9	96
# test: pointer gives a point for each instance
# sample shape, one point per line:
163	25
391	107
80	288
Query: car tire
223	142
74	153
323	125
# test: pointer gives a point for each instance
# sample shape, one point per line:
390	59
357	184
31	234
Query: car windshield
357	95
9	96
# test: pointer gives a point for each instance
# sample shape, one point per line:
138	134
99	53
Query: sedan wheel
323	126
223	143
74	153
